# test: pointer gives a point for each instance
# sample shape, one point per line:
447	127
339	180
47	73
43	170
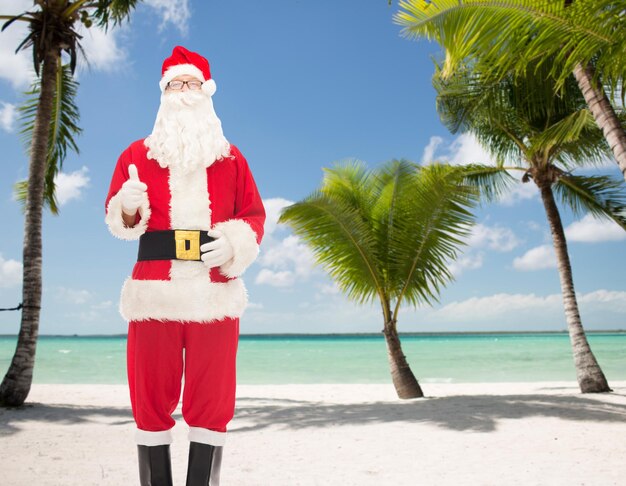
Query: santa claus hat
183	61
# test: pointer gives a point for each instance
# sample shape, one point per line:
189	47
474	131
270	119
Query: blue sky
300	85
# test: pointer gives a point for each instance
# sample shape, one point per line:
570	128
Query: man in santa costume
188	195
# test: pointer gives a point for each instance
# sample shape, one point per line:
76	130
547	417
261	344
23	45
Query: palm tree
387	234
50	124
546	137
585	37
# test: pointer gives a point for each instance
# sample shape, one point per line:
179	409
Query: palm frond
565	130
427	233
341	241
491	182
504	35
602	196
467	102
113	11
575	141
394	187
63	130
394	245
25	17
351	182
519	119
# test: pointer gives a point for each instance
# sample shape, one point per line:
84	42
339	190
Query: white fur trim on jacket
190	69
191	300
245	248
116	224
190	208
206	436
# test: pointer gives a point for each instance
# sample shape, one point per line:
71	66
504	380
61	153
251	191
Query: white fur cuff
206	436
186	300
245	248
116	224
149	438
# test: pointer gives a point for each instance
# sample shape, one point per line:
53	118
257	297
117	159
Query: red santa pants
156	365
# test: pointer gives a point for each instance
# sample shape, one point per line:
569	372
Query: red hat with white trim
183	61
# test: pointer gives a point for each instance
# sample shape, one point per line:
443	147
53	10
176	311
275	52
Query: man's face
189	83
187	132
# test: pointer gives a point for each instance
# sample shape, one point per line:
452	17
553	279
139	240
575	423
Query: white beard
187	133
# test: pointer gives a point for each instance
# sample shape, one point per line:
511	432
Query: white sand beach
474	434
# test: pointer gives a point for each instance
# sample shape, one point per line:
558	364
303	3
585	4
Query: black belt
172	245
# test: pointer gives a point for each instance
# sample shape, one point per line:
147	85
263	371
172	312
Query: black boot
200	461
155	467
217	466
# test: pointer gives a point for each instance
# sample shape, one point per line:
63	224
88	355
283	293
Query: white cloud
101	47
73	296
465	262
335	313
175	13
505	306
10	273
285	260
463	150
329	289
497	305
69	186
496	238
430	149
466	149
593	230
288	253
107	304
616	300
102	50
80	308
284	278
8	114
15	68
519	192
273	206
538	258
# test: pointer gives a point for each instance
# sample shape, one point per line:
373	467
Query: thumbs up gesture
133	192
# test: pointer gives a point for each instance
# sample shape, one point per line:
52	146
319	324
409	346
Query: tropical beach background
320	95
348	358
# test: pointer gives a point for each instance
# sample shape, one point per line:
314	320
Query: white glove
218	251
133	192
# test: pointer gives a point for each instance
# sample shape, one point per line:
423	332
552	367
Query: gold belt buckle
187	244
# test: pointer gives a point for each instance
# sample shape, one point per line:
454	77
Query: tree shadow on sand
10	418
479	413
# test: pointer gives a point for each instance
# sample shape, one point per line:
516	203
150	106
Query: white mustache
182	99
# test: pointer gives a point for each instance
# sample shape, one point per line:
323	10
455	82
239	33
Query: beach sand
474	434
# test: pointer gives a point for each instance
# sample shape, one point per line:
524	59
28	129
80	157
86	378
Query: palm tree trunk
18	379
604	114
602	111
590	377
401	375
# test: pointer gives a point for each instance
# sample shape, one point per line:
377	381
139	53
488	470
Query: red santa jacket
222	196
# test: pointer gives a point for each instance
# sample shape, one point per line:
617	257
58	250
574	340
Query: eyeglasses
178	85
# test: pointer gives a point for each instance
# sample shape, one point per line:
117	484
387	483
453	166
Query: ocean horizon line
353	334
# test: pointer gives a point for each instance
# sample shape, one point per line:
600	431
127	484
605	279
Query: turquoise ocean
282	359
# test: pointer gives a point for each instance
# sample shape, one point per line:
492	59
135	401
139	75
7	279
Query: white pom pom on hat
183	61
